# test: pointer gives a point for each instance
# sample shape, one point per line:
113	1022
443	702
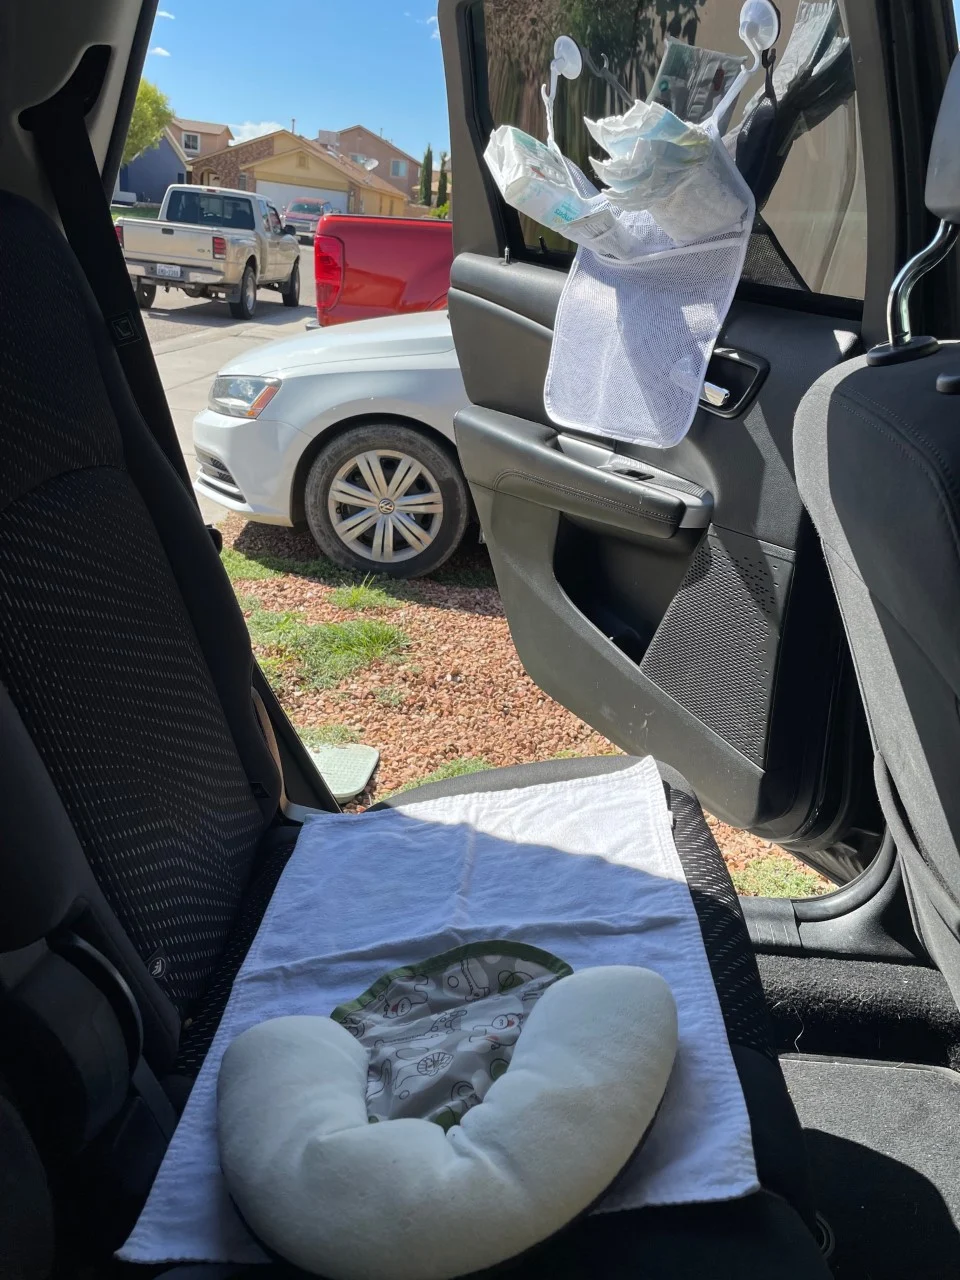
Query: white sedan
349	428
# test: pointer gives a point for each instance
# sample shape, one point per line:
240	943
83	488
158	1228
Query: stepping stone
346	770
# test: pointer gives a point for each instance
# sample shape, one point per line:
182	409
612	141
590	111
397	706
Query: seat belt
70	167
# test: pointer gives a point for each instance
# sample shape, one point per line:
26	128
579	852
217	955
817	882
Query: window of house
398	168
181	176
242	182
358	159
190	142
811	227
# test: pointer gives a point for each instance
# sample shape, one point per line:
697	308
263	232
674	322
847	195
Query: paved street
192	339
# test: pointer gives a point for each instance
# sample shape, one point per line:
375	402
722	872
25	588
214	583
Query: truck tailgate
150	241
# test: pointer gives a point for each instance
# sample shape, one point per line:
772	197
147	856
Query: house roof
379	138
362	177
354	172
199	126
178	151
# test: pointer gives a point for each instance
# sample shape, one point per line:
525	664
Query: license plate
168	271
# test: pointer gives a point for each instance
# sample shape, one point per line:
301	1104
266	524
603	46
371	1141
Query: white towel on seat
586	869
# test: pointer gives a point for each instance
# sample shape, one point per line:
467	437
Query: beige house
283	166
398	168
199	137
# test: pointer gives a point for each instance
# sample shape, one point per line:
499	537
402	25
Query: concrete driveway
193	339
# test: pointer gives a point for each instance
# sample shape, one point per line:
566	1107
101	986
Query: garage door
281	193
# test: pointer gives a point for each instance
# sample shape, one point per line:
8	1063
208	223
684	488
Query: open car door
677	599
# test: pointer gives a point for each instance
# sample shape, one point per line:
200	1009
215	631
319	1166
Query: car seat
877	453
145	831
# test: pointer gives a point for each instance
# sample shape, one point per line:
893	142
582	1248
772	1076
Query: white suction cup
759	25
567	58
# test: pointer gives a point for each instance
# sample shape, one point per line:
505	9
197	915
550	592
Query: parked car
369	267
302	217
351	430
212	242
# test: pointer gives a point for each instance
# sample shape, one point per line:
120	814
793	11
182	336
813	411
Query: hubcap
250	291
385	506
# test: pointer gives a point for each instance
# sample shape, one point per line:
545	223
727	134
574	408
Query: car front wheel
386	499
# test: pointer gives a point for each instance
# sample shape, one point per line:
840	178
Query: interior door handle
733	379
530	461
715	396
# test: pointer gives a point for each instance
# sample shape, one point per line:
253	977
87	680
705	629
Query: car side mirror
942	198
289	231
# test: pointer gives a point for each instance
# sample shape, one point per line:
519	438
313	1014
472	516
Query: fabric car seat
878	466
142	827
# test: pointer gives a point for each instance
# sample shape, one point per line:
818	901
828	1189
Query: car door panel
677	599
654	604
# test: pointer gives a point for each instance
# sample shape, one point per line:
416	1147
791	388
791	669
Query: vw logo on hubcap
386	506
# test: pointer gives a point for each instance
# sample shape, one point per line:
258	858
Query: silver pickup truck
212	243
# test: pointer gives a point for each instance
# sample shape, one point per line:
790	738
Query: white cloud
164	13
434	25
251	129
158	51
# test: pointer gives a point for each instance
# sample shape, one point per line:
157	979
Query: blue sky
329	65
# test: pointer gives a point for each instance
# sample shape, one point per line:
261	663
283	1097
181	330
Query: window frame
398	168
188	150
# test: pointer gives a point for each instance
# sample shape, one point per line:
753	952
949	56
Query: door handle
733	379
715	396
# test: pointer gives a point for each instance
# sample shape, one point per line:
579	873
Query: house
284	166
397	167
149	175
199	137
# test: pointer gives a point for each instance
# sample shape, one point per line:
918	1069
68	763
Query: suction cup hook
567	62
759	27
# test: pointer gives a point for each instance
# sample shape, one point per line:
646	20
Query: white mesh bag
640	313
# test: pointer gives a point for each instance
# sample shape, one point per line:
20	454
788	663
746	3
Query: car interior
770	609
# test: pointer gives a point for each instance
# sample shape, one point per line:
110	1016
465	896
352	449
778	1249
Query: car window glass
209	209
810	232
275	221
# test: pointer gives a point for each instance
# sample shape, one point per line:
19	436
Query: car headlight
242	397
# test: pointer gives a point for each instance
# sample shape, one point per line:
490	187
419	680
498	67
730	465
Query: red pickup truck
369	267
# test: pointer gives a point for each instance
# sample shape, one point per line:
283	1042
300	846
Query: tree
426	177
151	115
442	181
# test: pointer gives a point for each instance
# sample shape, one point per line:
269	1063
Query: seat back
126	716
877	454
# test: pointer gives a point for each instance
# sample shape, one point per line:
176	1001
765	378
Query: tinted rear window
305	206
203	210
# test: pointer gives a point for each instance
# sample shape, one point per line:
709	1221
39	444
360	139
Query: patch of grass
776	875
241	568
459	768
319	655
366	594
328	735
391	696
129	211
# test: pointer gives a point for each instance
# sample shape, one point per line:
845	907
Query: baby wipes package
533	178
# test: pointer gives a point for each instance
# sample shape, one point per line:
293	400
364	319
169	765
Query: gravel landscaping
425	672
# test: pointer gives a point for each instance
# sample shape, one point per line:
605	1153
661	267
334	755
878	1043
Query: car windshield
202	208
306	206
